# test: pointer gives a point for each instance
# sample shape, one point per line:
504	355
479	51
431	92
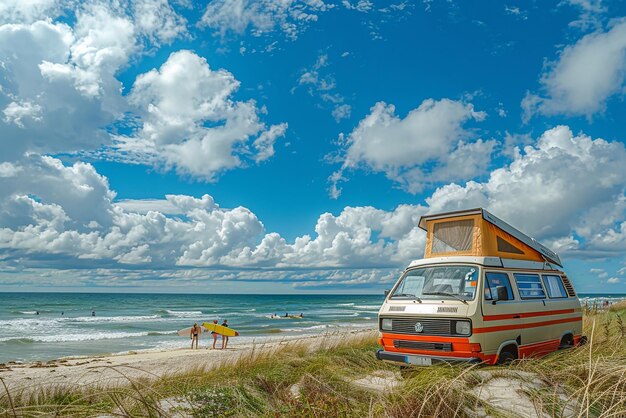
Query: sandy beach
113	370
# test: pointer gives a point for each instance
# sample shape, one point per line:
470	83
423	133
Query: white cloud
432	134
342	111
262	16
28	11
586	75
320	83
15	112
563	185
58	85
360	5
104	42
177	101
158	21
553	191
591	12
613	280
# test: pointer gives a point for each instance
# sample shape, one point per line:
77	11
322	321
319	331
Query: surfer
195	334
224	337
214	335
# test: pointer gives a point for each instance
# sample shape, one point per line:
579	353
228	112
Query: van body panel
535	326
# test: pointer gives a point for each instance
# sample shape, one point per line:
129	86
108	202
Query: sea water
44	326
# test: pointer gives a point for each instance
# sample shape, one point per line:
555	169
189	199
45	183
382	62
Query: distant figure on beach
62	313
224	337
301	315
36	312
195	335
286	314
214	335
93	313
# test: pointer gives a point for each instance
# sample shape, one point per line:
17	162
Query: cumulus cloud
177	102
553	190
59	90
564	189
585	76
429	145
613	280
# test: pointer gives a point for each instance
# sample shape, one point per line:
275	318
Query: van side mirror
387	292
502	293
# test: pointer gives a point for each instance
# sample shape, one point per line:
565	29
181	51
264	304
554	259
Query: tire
566	342
506	357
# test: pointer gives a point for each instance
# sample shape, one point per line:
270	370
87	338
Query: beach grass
340	377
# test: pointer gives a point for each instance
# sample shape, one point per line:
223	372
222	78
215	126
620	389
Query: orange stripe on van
520	326
527	314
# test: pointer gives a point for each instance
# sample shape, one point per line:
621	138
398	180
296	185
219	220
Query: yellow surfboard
228	332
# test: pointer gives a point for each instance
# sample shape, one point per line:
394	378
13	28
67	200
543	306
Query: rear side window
554	286
493	280
529	286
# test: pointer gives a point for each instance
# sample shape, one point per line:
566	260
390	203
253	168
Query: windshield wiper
408	295
445	294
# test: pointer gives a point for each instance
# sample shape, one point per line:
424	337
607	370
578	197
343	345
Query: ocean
46	326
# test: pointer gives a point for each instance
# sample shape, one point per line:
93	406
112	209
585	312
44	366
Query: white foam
78	337
184	314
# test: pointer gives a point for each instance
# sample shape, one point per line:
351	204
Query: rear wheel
566	342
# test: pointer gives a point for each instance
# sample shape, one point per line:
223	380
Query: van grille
568	287
421	345
431	326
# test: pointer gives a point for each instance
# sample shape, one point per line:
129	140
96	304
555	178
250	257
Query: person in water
286	314
214	335
195	335
224	337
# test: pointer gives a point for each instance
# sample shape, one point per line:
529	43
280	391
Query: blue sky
261	146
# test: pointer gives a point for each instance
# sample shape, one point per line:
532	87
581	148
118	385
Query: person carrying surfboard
214	335
195	335
224	337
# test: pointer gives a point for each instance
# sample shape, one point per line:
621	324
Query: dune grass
293	381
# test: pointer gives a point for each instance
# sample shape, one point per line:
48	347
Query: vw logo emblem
419	327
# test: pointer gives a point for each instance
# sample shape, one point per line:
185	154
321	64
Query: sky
239	146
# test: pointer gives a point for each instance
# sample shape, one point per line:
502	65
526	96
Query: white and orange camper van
484	292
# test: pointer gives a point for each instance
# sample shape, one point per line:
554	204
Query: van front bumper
422	360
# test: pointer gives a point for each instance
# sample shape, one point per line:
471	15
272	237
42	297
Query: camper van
484	292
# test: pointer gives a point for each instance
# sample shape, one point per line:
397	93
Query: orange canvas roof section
477	232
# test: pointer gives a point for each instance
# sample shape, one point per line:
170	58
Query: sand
113	370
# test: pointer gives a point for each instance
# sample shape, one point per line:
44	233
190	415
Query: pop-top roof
478	232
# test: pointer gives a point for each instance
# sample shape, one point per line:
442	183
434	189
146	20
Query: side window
493	280
554	286
529	286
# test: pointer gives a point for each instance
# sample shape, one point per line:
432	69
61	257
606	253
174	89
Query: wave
110	318
183	314
74	337
346	304
368	307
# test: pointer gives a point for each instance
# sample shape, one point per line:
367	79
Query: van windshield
454	282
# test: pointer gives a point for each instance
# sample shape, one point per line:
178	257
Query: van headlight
463	328
386	324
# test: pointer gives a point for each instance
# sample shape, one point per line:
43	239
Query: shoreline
116	369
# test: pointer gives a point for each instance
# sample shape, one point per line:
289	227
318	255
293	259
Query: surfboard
229	332
187	332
